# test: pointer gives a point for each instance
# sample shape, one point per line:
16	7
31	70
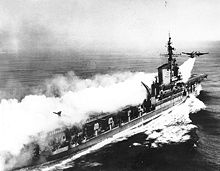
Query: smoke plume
77	98
186	68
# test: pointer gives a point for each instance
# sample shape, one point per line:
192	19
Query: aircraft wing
187	53
199	53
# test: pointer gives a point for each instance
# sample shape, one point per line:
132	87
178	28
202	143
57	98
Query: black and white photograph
109	85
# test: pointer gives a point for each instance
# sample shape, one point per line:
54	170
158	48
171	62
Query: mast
170	56
170	50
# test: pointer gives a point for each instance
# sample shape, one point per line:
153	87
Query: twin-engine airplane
193	54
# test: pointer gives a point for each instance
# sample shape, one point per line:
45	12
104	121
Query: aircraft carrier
166	91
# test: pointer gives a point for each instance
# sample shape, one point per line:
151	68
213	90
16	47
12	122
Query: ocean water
24	74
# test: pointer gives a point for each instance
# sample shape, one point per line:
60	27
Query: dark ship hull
167	91
142	119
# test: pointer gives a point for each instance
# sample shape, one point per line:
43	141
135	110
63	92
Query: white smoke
186	69
77	98
103	93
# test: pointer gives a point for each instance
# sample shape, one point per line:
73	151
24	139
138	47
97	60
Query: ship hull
166	105
145	118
